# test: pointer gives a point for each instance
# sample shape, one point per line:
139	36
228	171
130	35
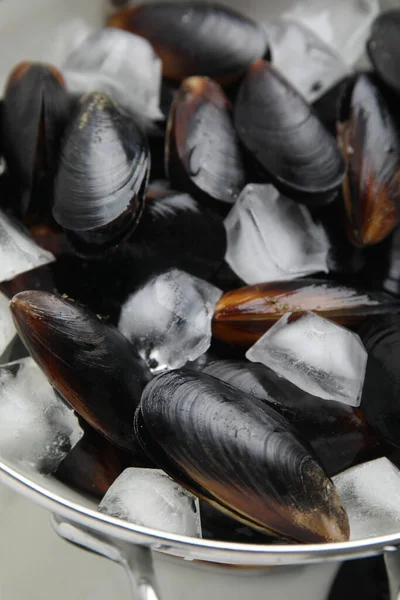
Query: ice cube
344	24
271	237
321	358
370	494
7	329
37	429
150	498
304	59
120	64
18	252
169	319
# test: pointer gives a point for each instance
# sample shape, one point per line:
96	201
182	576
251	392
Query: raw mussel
194	38
35	113
239	455
370	140
279	128
384	47
381	394
338	433
201	143
102	176
93	367
242	316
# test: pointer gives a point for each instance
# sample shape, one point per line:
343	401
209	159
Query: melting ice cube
303	58
150	498
273	238
7	329
321	358
37	429
120	64
18	252
169	319
370	494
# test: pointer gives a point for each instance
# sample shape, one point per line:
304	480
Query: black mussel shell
94	368
279	128
381	393
194	38
36	109
201	143
102	176
239	455
94	464
338	434
242	316
370	140
384	47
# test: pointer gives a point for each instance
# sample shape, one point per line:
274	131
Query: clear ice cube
18	252
344	24
318	356
7	328
273	238
370	495
309	64
148	497
120	64
169	319
37	429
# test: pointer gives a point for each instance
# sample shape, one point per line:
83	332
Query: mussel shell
242	316
384	47
92	366
239	455
370	140
102	176
35	112
193	38
338	433
201	142
279	128
381	393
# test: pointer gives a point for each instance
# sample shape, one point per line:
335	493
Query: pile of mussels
110	190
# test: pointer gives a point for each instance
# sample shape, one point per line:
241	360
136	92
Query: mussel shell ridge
102	176
239	455
194	38
92	365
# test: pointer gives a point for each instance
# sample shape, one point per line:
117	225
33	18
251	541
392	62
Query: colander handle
136	560
392	562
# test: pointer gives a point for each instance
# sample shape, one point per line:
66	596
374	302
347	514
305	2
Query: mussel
35	113
201	143
239	455
279	128
381	394
93	367
102	176
384	49
193	38
242	316
370	140
338	433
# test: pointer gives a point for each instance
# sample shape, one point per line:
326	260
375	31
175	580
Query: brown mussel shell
102	176
195	38
35	112
384	47
239	455
338	433
242	316
370	140
91	364
381	393
281	131
201	142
